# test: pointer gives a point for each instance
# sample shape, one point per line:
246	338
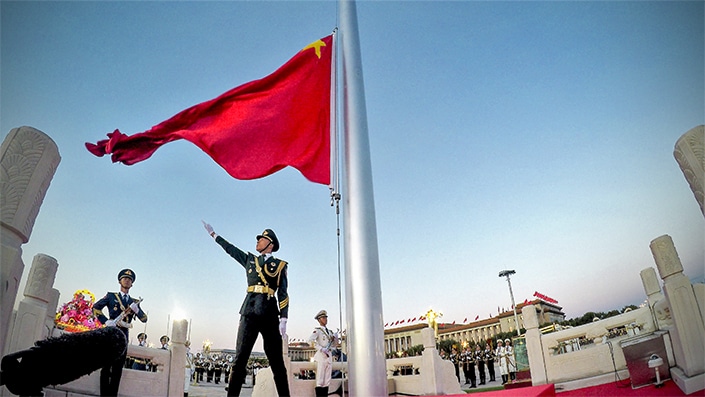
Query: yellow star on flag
317	45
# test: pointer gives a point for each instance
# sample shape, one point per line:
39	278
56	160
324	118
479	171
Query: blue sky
534	136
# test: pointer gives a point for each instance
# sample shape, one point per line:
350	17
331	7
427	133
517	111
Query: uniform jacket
116	306
323	338
272	274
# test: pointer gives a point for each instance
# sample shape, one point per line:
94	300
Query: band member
324	340
489	359
217	370
480	361
210	370
501	354
122	308
469	367
455	359
261	312
164	340
199	368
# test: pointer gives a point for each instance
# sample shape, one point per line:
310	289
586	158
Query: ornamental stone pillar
688	331
690	155
28	161
32	311
660	310
534	346
177	366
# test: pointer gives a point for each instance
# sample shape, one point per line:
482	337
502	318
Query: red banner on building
544	297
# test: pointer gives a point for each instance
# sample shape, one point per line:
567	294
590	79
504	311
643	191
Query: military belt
260	289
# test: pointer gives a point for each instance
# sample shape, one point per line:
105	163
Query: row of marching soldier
480	359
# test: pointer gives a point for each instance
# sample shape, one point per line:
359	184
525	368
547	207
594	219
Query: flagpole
366	363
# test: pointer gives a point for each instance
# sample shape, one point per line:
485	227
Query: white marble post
690	155
179	330
534	347
430	364
28	161
660	311
52	306
688	329
265	386
32	312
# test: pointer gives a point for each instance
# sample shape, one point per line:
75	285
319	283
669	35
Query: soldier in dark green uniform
261	312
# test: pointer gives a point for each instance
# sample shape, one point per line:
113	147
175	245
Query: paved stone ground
213	390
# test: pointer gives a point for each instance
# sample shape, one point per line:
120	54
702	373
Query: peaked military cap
127	273
320	314
269	235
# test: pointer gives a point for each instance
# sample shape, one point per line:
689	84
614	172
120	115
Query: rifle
120	319
330	343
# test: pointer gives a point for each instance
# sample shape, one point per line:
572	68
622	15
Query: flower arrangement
77	314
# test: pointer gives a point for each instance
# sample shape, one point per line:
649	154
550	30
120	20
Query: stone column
690	155
52	306
28	161
32	312
688	328
658	304
179	330
534	346
429	357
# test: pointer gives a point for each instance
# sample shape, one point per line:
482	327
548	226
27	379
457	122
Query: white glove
208	227
135	308
110	323
282	326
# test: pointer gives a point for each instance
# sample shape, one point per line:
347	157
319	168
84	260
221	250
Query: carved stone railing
595	349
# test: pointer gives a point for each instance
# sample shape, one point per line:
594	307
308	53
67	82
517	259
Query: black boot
321	391
338	391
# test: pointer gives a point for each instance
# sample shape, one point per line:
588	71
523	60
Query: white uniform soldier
511	360
501	354
324	340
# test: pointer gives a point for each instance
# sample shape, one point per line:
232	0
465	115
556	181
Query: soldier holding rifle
122	308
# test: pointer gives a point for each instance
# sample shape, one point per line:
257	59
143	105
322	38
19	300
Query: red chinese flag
253	130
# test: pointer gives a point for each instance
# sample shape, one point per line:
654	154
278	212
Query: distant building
402	338
399	339
301	351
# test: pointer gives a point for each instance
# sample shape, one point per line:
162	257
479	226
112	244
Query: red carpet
624	389
532	391
613	389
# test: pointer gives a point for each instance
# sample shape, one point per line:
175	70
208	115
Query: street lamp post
507	273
